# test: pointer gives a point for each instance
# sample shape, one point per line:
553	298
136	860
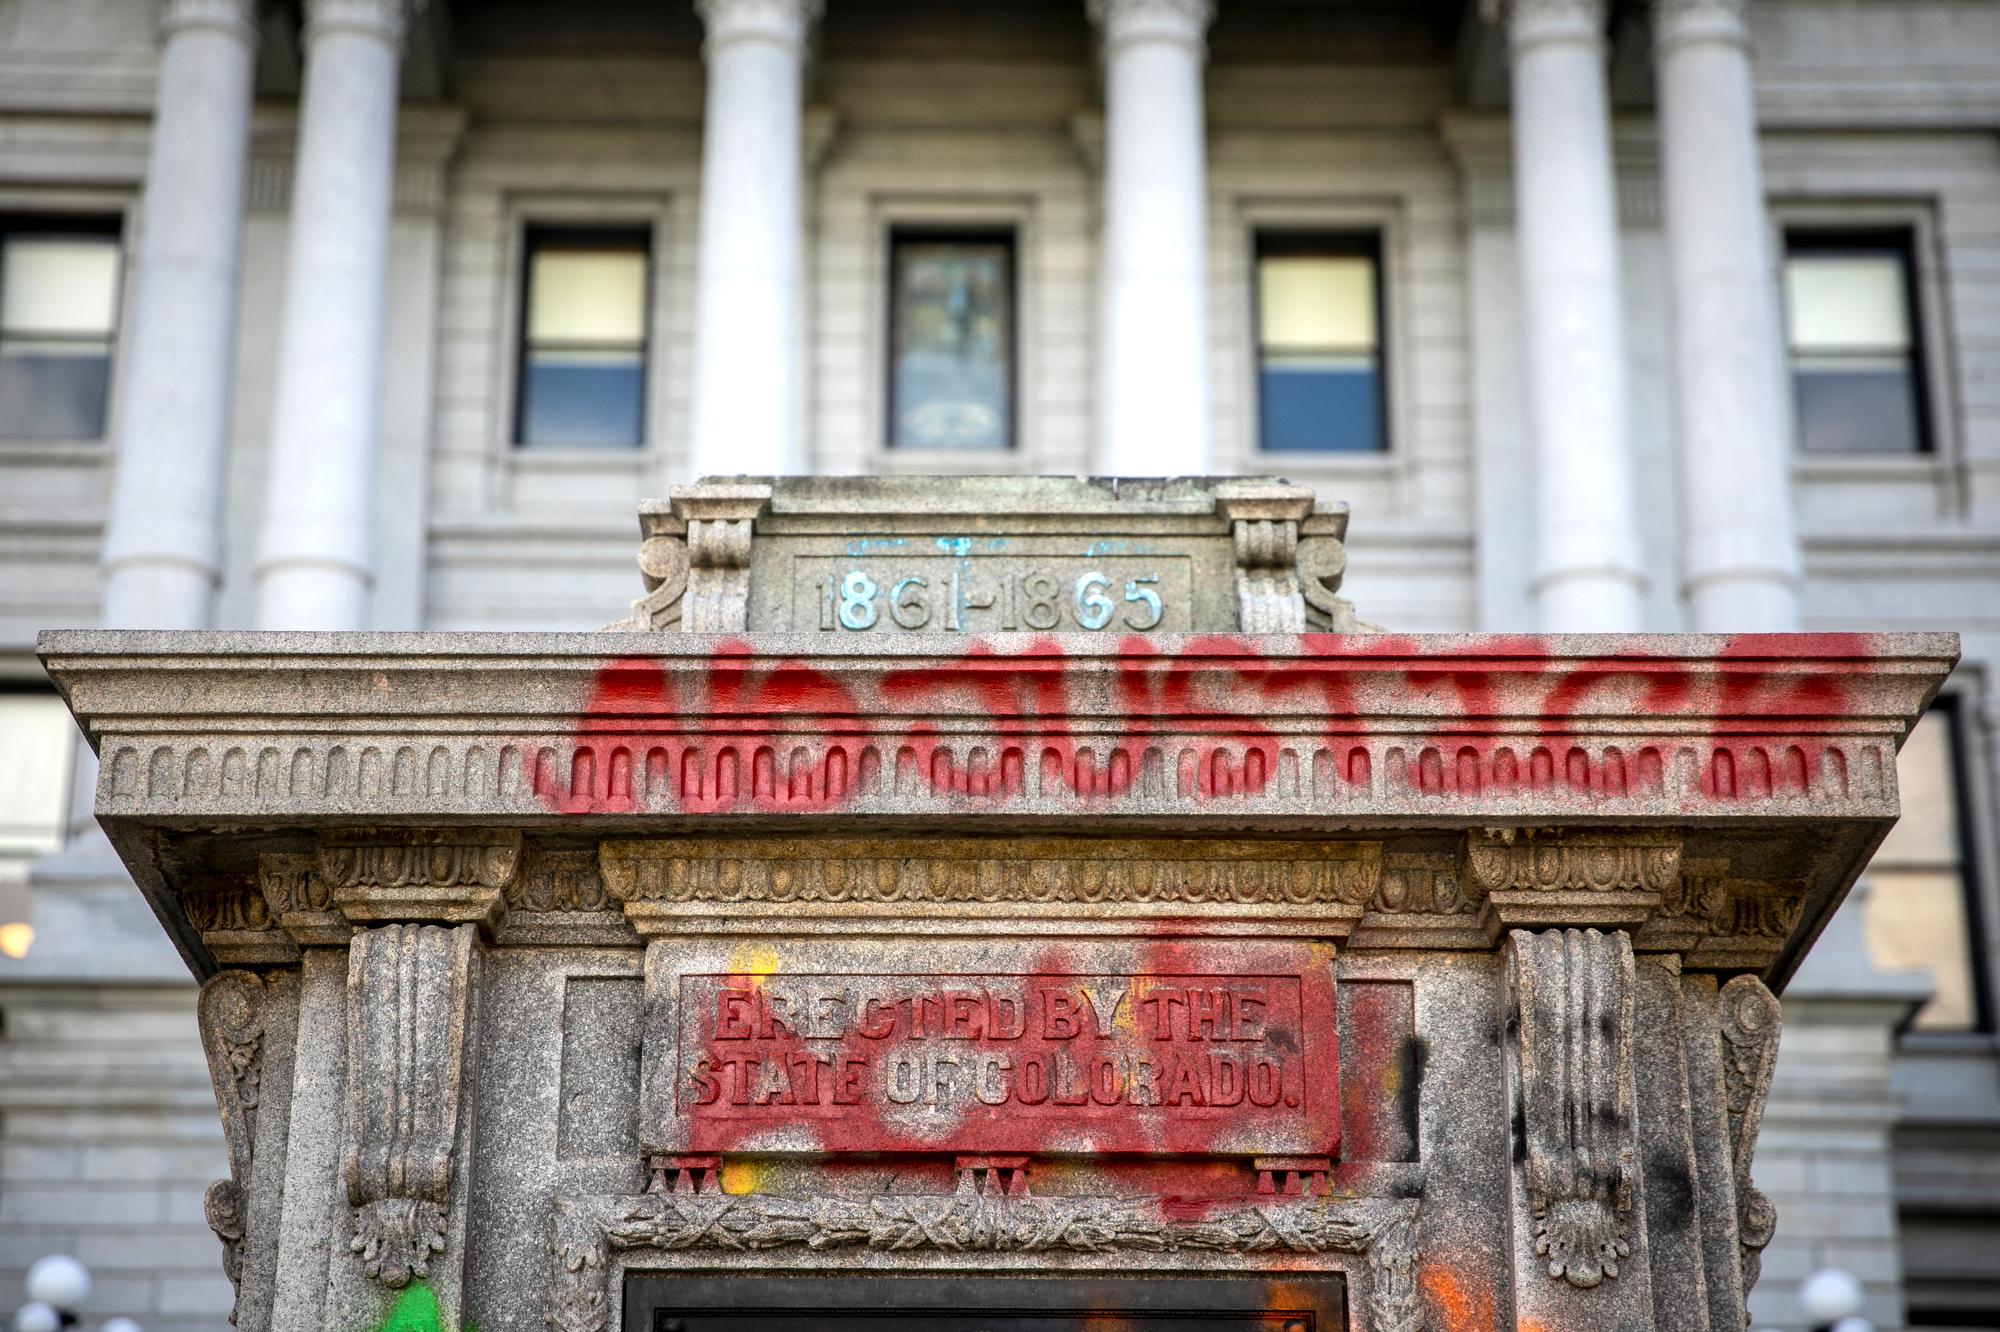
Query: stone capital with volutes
435	876
1128	22
1540	879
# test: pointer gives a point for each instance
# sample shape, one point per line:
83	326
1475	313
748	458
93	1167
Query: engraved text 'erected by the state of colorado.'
1151	1062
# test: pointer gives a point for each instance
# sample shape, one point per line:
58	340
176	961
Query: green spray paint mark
416	1310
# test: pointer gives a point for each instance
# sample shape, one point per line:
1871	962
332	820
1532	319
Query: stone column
1740	554
314	561
1587	573
749	344
163	538
1153	341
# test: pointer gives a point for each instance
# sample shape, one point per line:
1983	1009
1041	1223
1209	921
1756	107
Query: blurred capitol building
344	314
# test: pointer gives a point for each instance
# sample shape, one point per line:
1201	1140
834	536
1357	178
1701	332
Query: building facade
353	314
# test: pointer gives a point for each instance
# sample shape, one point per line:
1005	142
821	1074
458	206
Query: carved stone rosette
408	1001
585	1232
1571	998
230	1013
1751	1021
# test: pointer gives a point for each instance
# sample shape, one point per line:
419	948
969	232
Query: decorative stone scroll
720	521
585	1233
230	1013
1263	522
1571	999
1751	1021
408	989
663	564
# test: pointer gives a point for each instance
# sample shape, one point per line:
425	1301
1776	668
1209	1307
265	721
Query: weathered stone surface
889	555
1499	913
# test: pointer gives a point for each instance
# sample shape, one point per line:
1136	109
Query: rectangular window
1850	311
1920	914
1319	344
951	340
58	319
583	339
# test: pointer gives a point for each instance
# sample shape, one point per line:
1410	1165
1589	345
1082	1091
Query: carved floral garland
584	1232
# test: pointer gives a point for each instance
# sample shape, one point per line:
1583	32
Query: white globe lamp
59	1281
36	1317
1829	1295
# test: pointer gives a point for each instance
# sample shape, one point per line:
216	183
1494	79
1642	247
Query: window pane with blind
1918	915
1319	345
583	346
58	319
951	376
1855	369
38	738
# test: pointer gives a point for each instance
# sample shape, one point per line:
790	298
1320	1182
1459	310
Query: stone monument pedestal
819	945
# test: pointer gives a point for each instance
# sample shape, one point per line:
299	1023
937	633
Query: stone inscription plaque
1207	1054
964	586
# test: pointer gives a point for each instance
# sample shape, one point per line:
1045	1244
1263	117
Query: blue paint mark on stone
863	545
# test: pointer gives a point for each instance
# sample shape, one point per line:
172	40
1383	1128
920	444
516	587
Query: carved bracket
721	521
230	1013
1751	1022
1571	1001
1263	519
1586	878
449	875
408	988
585	1233
663	565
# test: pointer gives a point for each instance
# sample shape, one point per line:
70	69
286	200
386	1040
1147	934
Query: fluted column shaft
315	557
748	372
1740	553
162	551
1587	569
1153	392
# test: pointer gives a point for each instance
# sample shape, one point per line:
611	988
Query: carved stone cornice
300	903
1751	1020
1577	877
721	521
790	884
448	876
585	1233
236	923
408	994
1719	921
1570	999
231	1018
